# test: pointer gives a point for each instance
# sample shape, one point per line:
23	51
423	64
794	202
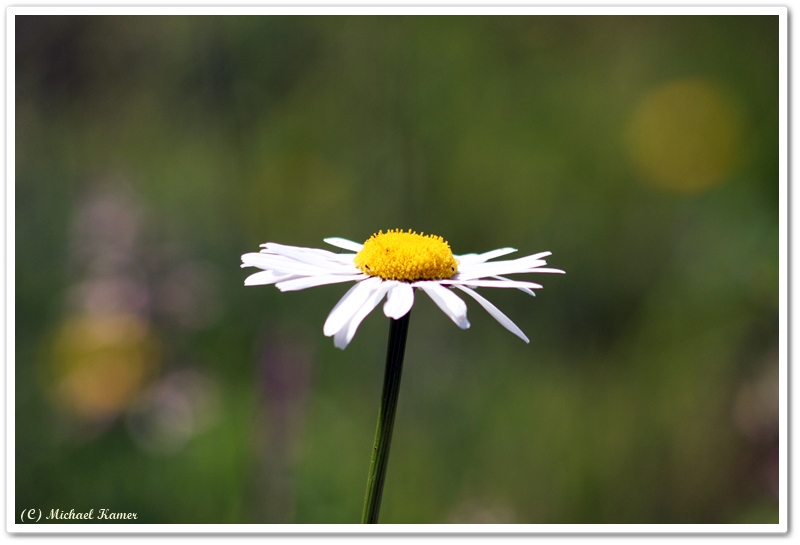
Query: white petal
349	305
340	258
310	256
319	280
399	301
525	260
344	244
504	320
346	333
449	302
262	278
282	264
343	258
540	255
495	268
471	259
529	264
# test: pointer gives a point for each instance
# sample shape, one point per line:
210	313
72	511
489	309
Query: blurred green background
151	152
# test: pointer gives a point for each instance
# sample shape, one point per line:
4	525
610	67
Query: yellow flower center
396	255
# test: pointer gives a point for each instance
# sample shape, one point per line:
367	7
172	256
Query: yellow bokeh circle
99	364
685	136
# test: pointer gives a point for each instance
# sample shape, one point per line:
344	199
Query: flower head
410	257
391	265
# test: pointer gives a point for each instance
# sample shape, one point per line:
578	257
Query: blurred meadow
151	152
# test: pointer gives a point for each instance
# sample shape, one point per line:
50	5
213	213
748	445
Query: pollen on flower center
409	257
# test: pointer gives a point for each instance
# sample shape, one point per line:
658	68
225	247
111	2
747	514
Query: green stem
398	332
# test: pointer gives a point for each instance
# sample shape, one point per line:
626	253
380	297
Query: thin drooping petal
320	280
504	320
263	278
526	290
399	301
472	259
349	304
344	244
450	303
343	299
545	270
348	331
492	283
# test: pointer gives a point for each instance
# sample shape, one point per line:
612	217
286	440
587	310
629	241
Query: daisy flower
392	265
